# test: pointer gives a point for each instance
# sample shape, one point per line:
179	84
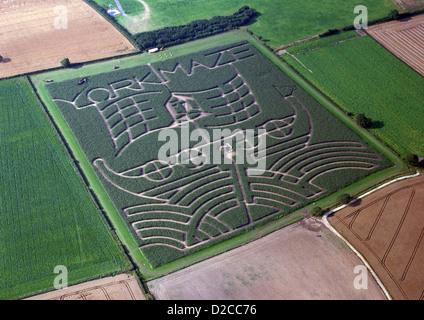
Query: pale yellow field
387	227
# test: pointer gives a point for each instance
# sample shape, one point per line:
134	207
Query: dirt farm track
38	34
387	228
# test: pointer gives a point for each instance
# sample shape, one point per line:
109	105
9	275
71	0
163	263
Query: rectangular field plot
176	207
47	217
37	35
363	77
281	21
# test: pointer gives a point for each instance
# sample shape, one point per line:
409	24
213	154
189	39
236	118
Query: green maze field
178	207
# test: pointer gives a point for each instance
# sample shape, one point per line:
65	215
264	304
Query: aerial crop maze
175	208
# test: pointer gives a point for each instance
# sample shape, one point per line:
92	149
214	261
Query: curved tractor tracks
365	262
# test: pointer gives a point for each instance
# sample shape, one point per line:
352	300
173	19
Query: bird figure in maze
183	205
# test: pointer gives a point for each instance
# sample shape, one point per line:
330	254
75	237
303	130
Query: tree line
170	36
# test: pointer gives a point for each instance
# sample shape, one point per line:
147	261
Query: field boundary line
146	14
94	188
329	226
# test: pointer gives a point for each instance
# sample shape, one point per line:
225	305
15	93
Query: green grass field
281	21
362	77
134	10
47	217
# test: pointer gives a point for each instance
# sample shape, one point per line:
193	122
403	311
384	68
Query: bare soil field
404	38
38	34
139	23
302	261
121	287
387	228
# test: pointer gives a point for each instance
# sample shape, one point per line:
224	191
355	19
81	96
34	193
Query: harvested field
122	287
404	38
387	227
369	80
291	263
38	34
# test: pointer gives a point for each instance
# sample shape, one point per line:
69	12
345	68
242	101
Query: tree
412	160
394	14
344	198
363	121
65	63
317	211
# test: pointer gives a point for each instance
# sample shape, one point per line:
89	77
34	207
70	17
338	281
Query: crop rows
47	217
362	77
175	209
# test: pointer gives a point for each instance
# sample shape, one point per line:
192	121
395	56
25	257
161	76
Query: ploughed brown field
409	4
302	261
121	287
404	38
38	34
387	228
